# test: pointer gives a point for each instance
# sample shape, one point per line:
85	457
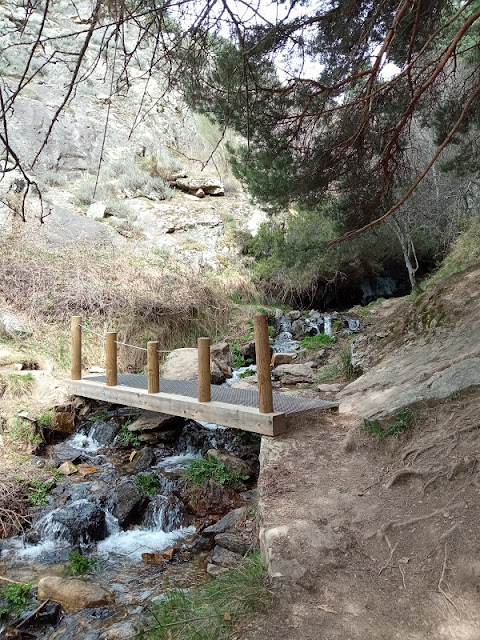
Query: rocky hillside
418	349
130	169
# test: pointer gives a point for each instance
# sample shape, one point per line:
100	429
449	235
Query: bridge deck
230	407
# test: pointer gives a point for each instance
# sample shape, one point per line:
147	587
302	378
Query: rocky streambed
120	497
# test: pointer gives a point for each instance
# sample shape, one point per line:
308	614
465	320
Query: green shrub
38	496
130	438
213	611
14	598
147	483
247	374
80	565
46	420
199	471
312	343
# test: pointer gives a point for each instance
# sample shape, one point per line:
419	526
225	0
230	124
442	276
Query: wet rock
67	468
127	501
73	595
282	358
105	432
120	631
152	421
201	543
83	522
49	614
64	422
144	460
212	498
232	462
227	522
299	328
232	542
225	558
225	368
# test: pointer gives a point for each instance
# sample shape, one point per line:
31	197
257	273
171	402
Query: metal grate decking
282	402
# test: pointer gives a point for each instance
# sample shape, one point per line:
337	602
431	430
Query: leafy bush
130	438
14	598
80	565
38	496
213	611
199	471
147	483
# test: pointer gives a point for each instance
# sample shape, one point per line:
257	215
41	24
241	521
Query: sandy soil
371	539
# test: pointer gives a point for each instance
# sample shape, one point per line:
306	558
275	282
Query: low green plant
312	343
238	358
14	598
46	420
213	611
327	373
403	419
21	432
337	325
98	416
80	565
38	492
200	471
247	374
346	368
128	437
147	483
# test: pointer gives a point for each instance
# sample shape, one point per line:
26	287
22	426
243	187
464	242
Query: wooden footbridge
260	411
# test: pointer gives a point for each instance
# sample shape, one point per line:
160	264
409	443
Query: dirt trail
373	539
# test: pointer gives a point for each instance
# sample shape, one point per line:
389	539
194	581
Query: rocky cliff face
152	147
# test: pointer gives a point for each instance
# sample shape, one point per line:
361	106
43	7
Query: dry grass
14	507
142	300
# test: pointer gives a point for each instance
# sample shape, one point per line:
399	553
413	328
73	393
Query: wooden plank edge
229	415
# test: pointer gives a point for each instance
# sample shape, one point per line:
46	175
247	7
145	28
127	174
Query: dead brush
141	299
14	507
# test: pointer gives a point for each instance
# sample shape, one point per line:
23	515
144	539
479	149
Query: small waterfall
327	325
353	323
84	441
164	515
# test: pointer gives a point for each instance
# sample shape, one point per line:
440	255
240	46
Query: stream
105	511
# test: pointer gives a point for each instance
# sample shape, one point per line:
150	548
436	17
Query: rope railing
262	348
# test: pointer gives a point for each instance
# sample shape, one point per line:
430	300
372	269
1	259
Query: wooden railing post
111	359
204	375
262	351
153	370
76	348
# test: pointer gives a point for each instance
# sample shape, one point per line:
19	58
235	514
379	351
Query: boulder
232	462
331	388
64	421
182	364
227	522
209	186
144	460
96	210
82	522
73	595
232	542
126	501
67	468
282	358
13	326
225	558
301	372
151	420
294	315
105	432
220	350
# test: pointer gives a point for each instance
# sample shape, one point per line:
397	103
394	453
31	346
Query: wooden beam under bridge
228	415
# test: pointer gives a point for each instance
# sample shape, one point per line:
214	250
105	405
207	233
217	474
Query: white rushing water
84	442
132	543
